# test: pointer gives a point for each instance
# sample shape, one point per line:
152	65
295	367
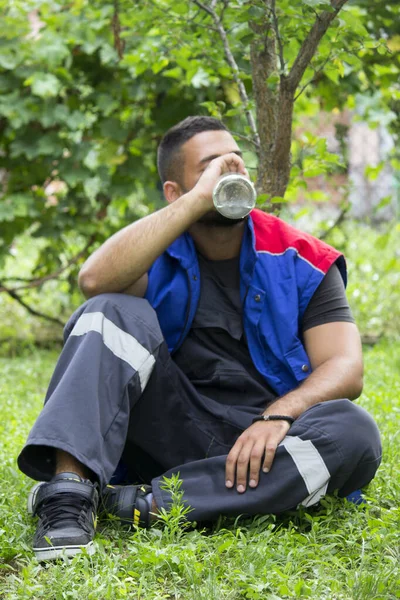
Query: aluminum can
234	196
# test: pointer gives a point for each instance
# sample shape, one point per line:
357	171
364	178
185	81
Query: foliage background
88	88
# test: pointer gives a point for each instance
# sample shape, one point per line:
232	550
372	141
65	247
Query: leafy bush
55	299
373	260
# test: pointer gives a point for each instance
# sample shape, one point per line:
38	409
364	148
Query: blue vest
280	269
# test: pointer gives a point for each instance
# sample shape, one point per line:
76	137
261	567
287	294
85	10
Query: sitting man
221	350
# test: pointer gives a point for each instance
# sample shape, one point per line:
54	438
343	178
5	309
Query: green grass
336	551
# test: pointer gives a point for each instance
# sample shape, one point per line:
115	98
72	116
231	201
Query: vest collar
184	250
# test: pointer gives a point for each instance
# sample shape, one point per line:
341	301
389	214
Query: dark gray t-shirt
215	356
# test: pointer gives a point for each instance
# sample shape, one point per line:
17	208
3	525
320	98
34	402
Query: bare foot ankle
66	463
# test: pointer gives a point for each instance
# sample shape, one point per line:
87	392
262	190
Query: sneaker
66	507
130	503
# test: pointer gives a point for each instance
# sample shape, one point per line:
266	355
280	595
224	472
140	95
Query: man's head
187	148
170	157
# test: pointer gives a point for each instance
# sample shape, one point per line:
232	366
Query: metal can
234	196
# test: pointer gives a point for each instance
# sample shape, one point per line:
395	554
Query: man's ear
172	191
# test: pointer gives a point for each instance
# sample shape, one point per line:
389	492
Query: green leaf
8	60
261	199
92	187
212	107
200	79
273	80
372	173
180	8
16	206
383	240
108	55
51	48
312	167
233	112
74	175
385	201
91	160
256	12
175	73
44	85
49	144
159	65
277	200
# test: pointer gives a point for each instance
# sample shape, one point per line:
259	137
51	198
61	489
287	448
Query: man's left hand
254	446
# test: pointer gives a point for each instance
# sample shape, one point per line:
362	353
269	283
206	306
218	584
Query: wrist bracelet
274	418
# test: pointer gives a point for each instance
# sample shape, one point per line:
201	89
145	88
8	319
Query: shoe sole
55	552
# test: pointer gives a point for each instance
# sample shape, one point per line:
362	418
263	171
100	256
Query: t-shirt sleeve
329	302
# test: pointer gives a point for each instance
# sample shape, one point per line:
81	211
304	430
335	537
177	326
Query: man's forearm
129	254
338	377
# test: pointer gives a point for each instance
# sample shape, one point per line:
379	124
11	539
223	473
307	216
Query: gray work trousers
117	393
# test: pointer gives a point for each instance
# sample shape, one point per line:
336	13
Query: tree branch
33	283
25	279
116	27
275	25
225	6
243	137
339	219
31	310
310	81
310	44
233	64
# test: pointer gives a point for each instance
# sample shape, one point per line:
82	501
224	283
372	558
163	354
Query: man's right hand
228	163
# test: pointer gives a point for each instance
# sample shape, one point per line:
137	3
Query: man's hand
256	445
228	163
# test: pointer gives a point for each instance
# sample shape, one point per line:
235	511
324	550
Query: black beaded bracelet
274	418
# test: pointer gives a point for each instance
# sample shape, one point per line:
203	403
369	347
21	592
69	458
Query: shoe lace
67	510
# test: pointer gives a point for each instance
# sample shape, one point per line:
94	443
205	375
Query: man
223	350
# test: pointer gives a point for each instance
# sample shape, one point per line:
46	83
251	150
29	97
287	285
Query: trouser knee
358	434
123	310
111	348
352	443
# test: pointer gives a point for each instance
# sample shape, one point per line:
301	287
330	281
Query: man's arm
122	262
335	353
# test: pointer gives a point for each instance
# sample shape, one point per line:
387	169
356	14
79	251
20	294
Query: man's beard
215	219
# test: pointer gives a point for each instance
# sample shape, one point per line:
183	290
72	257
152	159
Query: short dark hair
169	161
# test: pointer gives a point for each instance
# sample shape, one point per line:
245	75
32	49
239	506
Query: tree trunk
281	156
274	111
263	64
275	102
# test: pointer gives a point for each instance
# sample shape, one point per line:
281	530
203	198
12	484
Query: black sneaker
130	503
66	507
